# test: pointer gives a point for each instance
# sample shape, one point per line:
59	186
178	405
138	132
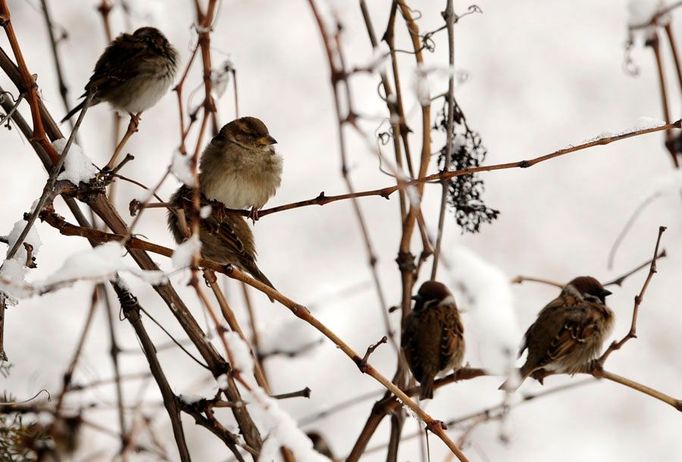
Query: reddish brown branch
29	84
632	333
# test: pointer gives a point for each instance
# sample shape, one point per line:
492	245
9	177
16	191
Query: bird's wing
579	325
233	233
451	340
117	63
409	342
551	306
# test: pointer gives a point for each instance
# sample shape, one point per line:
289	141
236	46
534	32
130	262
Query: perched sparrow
225	237
133	73
569	331
239	167
432	338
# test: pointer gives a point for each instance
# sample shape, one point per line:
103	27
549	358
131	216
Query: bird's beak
416	297
606	293
268	140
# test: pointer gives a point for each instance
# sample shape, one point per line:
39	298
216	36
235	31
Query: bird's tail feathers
516	378
73	112
426	389
258	275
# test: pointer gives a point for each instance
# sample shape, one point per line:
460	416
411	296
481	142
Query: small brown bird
568	333
225	236
133	73
432	338
240	167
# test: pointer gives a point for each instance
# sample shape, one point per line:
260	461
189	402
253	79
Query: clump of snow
648	122
421	86
181	169
190	399
421	80
221	380
413	195
280	428
640	12
205	211
484	293
14	270
185	252
241	354
77	166
97	264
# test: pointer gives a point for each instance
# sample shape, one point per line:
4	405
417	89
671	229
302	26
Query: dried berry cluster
465	192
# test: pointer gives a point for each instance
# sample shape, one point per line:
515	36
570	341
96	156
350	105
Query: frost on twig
77	166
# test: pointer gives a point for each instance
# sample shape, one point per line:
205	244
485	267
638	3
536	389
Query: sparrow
432	338
225	236
568	332
240	167
133	73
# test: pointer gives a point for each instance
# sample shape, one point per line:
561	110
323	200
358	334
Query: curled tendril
428	43
384	137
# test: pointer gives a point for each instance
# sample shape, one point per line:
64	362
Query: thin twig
50	183
450	17
632	333
131	312
620	279
63	88
114	353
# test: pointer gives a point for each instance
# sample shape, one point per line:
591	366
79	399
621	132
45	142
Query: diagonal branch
131	311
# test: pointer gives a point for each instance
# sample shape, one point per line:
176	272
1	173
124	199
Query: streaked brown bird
568	333
432	337
133	73
225	236
240	167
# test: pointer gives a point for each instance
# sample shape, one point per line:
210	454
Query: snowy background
541	76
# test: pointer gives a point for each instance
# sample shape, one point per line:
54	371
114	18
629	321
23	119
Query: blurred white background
541	76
